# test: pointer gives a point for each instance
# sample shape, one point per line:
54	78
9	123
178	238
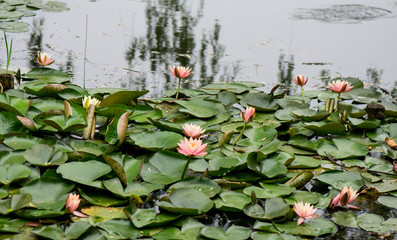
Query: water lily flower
391	142
300	80
344	198
395	166
72	203
192	130
247	117
87	101
339	86
44	59
304	210
192	147
180	72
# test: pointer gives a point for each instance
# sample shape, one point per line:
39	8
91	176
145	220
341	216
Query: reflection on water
171	39
35	42
285	68
342	13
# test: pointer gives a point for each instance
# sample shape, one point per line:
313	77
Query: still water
132	43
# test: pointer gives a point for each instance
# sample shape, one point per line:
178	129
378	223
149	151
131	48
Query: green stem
185	169
303	96
337	102
177	92
241	133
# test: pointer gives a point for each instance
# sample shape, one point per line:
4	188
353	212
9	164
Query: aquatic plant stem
8	50
241	133
186	167
177	91
303	96
337	102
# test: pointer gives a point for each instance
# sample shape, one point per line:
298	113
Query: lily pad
313	227
156	140
187	201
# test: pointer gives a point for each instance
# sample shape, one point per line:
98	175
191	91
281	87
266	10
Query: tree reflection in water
171	39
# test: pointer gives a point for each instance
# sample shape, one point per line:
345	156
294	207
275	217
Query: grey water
132	43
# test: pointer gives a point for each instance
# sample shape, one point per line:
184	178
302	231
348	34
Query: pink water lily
344	198
340	86
44	59
181	72
72	203
304	211
300	80
192	147
192	130
249	114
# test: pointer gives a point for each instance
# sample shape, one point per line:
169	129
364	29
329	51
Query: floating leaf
188	201
313	227
233	233
156	140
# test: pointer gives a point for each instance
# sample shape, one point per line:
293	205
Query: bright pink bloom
72	203
304	210
248	115
300	80
192	130
339	86
344	198
44	59
192	147
181	72
395	166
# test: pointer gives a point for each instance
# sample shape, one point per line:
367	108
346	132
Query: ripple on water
342	13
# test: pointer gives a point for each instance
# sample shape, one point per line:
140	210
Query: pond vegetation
224	161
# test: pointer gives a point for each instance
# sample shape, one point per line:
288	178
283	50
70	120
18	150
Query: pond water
132	43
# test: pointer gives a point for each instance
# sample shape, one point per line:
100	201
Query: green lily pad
313	227
342	148
232	233
44	155
156	140
231	201
304	162
260	101
365	124
198	108
269	190
202	184
11	173
310	115
388	201
122	97
187	201
339	179
345	219
48	192
163	167
133	188
120	228
84	172
302	196
325	127
274	208
39	213
101	198
149	218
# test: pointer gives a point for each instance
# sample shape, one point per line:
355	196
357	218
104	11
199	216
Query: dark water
132	43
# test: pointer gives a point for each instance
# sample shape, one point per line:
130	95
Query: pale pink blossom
192	130
181	72
248	115
72	203
44	59
304	210
340	86
192	147
344	198
300	80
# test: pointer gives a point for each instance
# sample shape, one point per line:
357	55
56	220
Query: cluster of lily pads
13	10
110	164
